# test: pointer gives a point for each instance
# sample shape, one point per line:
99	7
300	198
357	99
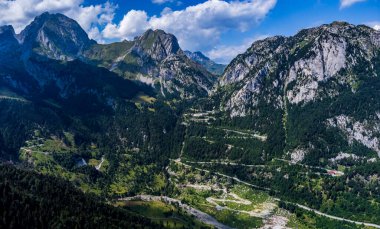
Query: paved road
299	205
13	98
337	218
257	136
201	216
224	163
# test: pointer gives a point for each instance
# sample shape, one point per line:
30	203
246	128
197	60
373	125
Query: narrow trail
298	205
3	97
252	135
224	163
336	217
338	173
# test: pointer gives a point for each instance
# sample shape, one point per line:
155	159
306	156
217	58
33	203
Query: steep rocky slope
203	60
304	88
55	36
155	58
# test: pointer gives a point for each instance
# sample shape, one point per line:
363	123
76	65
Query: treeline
312	220
31	200
350	196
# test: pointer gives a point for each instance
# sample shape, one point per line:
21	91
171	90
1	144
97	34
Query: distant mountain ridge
206	62
154	58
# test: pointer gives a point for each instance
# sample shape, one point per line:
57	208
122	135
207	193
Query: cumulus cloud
20	13
133	23
224	54
197	27
374	24
348	3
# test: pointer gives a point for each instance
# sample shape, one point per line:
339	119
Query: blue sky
219	28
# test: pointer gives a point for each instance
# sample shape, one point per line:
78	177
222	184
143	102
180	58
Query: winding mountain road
336	217
298	205
201	216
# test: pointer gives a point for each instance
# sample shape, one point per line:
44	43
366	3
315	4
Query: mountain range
288	129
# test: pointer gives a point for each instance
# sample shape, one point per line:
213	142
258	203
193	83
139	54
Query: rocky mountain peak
302	66
197	56
7	30
55	36
8	45
157	44
7	36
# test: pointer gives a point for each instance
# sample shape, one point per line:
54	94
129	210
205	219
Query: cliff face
303	88
155	58
298	66
55	36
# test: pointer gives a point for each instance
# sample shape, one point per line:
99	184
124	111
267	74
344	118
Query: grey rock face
155	58
157	45
296	67
55	36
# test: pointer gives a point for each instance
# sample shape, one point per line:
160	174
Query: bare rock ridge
303	88
155	58
157	45
203	60
297	66
55	36
8	45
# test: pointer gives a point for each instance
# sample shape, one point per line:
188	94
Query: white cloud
225	53
161	1
133	23
20	13
348	3
374	24
197	27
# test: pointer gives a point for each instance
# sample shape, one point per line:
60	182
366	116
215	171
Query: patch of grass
237	220
93	162
164	214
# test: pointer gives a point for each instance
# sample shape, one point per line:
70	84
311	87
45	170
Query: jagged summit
7	36
197	55
157	44
9	45
55	36
7	29
300	64
155	58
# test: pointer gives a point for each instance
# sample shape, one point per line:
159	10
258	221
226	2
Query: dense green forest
31	200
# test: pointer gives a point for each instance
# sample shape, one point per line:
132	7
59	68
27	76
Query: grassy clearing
167	215
228	203
143	98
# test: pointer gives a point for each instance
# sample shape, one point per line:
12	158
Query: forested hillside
137	134
31	200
